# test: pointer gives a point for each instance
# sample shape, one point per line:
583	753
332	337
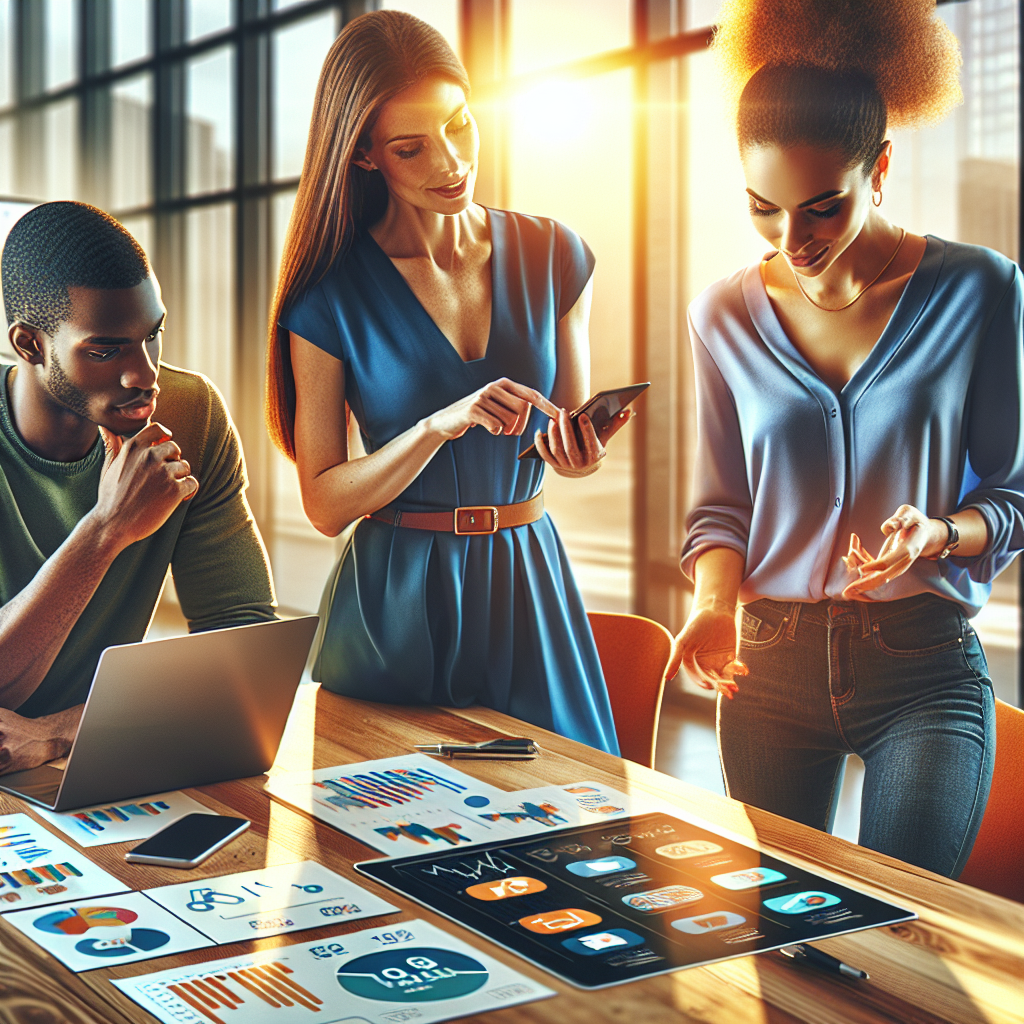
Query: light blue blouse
787	469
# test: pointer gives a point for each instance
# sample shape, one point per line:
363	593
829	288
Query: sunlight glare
555	113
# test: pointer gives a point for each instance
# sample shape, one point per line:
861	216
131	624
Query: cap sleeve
575	265
312	318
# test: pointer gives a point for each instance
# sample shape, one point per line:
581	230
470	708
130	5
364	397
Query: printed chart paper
411	972
108	931
122	823
398	805
37	868
533	811
269	901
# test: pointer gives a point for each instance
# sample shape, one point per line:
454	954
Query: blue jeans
903	684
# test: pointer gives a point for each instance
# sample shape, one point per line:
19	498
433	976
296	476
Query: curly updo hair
835	74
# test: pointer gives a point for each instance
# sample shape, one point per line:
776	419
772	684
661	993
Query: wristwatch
952	537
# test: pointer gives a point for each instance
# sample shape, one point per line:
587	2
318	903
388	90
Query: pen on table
504	749
802	953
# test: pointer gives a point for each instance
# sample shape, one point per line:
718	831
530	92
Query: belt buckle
476	519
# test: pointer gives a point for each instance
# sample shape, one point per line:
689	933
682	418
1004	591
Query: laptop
169	714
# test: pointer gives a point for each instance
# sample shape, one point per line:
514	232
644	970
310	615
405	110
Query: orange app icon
517	886
559	921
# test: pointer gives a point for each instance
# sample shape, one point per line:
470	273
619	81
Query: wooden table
962	962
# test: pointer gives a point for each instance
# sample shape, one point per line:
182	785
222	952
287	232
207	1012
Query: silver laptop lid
186	711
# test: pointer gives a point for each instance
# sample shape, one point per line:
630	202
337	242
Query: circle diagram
419	975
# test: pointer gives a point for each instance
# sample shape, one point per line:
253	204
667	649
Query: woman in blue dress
454	336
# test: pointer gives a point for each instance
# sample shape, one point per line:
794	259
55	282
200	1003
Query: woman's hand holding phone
569	455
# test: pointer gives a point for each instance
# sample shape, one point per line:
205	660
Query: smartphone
601	409
187	842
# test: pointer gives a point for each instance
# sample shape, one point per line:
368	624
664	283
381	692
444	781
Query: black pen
802	953
505	748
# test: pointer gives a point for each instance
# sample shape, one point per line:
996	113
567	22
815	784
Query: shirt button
838	502
833	414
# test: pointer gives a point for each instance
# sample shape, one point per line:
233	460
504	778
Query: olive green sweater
211	543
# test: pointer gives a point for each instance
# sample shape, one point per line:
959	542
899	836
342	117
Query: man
98	497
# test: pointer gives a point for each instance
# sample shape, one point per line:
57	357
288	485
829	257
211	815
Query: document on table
411	971
107	931
414	803
534	811
122	823
269	901
399	805
37	868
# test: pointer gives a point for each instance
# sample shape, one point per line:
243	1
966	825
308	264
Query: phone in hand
602	408
187	842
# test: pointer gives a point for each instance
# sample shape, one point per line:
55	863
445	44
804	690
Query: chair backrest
634	654
996	863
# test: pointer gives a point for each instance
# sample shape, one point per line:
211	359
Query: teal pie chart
412	975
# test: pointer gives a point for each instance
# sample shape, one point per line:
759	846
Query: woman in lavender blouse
859	386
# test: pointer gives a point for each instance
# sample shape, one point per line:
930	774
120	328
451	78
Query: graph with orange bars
212	994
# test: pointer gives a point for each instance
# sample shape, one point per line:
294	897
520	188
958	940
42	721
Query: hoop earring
878	201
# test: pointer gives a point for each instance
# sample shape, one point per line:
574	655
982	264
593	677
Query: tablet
602	409
604	904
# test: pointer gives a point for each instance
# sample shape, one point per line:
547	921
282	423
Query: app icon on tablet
751	878
518	885
552	921
668	897
802	902
688	848
604	866
601	942
712	922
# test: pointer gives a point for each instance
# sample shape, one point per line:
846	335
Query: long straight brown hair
375	57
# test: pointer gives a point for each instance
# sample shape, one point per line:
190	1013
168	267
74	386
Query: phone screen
188	837
602	408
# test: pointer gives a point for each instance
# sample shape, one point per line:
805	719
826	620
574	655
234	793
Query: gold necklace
839	309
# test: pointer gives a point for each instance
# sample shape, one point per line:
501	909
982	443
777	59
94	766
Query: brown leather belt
469	519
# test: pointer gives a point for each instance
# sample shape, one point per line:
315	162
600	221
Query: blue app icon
801	902
604	866
603	942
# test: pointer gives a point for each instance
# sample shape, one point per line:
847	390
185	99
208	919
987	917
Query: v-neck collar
906	313
403	295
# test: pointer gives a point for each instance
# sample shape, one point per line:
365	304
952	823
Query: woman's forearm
717	573
973	531
344	493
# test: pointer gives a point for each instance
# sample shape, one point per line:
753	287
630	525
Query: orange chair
634	654
996	863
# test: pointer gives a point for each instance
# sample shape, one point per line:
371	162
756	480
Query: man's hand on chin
30	742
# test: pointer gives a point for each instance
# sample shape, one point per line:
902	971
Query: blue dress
416	617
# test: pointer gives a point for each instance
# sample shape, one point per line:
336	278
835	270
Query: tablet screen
609	903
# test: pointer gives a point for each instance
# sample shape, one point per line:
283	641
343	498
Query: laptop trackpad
39	785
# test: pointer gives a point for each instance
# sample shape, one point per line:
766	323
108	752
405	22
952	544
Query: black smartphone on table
187	842
602	408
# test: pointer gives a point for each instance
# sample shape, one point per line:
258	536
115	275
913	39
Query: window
130	31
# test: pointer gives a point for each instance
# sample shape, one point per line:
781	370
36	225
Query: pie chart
420	975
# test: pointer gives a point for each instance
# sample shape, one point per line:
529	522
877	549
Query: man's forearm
29	742
35	623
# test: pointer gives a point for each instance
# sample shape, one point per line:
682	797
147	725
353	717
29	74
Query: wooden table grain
962	962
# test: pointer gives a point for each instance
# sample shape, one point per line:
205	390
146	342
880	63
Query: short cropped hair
62	245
